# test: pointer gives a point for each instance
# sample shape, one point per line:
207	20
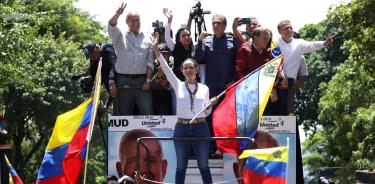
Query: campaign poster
160	126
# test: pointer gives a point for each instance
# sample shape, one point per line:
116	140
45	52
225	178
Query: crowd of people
162	76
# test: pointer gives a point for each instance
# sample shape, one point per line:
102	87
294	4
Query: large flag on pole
13	176
265	166
239	113
67	147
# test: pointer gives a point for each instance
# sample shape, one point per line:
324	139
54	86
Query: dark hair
269	42
178	34
88	49
222	17
110	178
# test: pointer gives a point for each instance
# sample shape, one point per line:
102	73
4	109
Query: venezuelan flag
66	149
13	176
241	110
265	166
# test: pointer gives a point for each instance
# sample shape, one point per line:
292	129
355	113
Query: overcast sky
269	13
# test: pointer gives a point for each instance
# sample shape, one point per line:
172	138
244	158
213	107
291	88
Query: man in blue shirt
218	52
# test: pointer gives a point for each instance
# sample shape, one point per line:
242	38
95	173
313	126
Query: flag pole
287	165
212	100
95	102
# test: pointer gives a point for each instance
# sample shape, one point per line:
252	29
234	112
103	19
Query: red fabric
250	177
249	59
54	180
17	180
73	160
225	124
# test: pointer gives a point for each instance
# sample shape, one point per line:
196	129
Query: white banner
147	122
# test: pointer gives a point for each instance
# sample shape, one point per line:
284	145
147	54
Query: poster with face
157	157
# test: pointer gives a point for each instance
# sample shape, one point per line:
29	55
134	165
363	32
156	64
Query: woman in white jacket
191	98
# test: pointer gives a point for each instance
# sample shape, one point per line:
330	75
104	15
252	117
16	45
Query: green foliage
38	48
347	103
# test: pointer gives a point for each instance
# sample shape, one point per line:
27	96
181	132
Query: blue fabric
219	56
52	162
264	167
200	148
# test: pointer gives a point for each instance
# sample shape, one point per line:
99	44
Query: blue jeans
132	95
200	148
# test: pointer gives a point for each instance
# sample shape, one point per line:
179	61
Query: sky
269	13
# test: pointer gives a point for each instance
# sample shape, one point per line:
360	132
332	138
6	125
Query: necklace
192	94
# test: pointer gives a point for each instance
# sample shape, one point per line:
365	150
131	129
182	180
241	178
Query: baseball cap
88	49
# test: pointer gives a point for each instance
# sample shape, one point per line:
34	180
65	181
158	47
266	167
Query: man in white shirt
134	66
293	49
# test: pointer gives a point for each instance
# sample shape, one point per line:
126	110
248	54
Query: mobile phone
244	21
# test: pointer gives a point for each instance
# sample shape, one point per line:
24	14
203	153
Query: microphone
126	179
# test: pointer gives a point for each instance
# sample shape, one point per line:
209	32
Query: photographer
94	52
243	37
134	66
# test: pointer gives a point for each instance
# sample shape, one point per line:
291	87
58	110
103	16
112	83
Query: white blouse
201	98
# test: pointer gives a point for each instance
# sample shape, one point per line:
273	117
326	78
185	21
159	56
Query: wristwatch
148	80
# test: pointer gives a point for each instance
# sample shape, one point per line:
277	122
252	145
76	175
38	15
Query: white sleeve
308	47
303	71
167	36
114	33
207	100
173	80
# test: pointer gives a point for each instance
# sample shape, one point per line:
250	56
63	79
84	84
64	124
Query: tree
347	136
39	54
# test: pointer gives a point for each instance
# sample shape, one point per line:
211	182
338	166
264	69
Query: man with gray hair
293	49
134	66
218	52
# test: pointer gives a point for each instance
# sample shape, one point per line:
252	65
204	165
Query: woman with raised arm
191	98
182	48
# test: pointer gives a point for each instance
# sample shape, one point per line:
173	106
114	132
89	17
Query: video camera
197	11
158	27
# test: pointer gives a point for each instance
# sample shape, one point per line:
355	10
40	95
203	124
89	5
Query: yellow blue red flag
67	147
265	166
13	176
242	108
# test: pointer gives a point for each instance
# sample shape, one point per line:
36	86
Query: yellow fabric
276	154
267	77
10	175
274	44
66	126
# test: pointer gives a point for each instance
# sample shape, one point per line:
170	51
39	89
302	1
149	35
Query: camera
197	11
244	21
158	26
86	83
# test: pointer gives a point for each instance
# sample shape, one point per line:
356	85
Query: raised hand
203	35
155	43
236	23
155	40
121	9
168	14
329	40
